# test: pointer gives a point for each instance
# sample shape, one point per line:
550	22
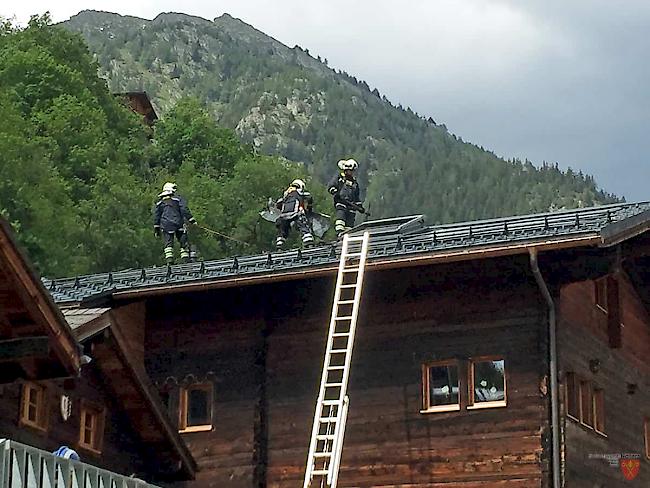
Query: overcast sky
564	81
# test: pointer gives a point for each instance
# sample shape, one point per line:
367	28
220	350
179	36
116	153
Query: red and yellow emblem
630	468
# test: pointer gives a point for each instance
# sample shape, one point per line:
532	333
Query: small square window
572	396
33	406
91	428
440	387
599	410
487	383
195	412
586	404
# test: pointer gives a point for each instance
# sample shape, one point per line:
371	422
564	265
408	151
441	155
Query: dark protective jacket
171	213
294	202
344	189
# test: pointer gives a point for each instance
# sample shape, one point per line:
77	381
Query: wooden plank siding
121	451
263	347
583	337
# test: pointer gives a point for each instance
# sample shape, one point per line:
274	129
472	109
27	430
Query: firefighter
171	214
345	189
295	205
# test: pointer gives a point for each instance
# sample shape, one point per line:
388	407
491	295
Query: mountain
283	101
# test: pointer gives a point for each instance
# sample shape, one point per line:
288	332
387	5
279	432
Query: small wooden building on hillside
509	352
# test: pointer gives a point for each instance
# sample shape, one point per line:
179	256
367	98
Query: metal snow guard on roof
385	245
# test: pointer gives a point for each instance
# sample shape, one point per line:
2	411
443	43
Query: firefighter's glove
193	221
333	190
361	209
156	231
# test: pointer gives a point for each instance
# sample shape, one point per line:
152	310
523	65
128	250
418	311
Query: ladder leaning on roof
332	403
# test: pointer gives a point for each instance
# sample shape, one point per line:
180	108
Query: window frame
41	407
573	378
590	403
600	294
183	409
426	400
598	409
472	404
646	435
98	421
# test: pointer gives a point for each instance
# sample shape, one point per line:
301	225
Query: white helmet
345	164
168	189
298	184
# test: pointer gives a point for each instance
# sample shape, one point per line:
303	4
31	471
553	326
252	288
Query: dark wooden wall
121	452
263	347
583	336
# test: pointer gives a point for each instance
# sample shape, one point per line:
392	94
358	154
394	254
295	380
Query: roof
35	340
393	242
130	384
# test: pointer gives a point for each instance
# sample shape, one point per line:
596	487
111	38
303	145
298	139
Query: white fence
23	466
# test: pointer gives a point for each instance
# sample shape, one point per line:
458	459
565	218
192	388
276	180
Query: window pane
573	401
599	410
443	385
586	404
489	381
198	407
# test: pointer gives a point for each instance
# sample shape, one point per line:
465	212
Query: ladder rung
352	255
322	454
355	239
345	302
349	286
351	269
333	385
327	420
325	436
331	368
320	472
347	317
340	334
331	402
338	351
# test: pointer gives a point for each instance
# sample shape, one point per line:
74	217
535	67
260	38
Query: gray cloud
560	81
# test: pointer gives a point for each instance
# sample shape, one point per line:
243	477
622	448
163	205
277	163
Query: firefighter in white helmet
345	189
171	214
295	205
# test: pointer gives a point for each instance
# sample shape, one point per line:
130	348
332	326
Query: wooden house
140	103
508	352
77	387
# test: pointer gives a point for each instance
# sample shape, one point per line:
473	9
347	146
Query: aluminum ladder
332	405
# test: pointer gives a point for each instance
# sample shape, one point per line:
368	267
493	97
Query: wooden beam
23	348
613	313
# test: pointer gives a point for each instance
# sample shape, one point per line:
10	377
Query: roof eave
388	263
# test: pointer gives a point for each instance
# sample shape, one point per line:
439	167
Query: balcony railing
23	466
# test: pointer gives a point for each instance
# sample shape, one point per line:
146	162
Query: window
599	410
600	288
646	429
91	429
586	404
572	396
487	383
33	406
195	408
440	387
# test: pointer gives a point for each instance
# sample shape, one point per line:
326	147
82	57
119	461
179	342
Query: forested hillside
284	101
80	172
